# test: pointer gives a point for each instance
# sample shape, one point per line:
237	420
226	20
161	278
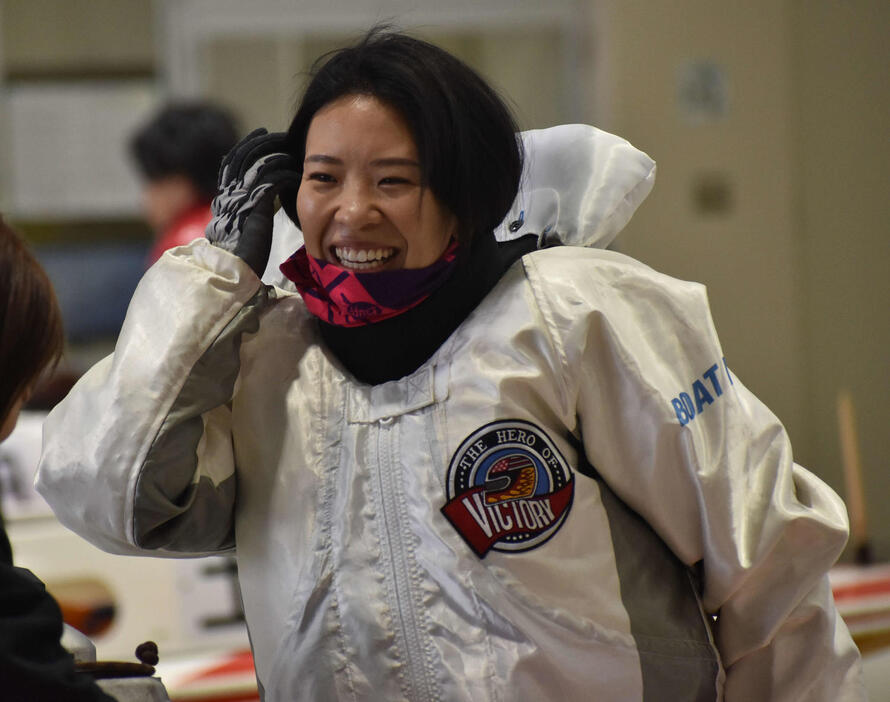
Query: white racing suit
551	508
572	499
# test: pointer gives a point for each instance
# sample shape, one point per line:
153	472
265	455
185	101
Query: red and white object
862	594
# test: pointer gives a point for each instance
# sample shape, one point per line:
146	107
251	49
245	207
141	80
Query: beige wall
797	268
745	255
61	37
231	66
841	56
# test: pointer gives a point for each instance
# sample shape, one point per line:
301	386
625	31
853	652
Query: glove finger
249	152
276	161
258	205
227	168
263	193
262	146
261	197
285	181
240	195
260	169
286	177
256	144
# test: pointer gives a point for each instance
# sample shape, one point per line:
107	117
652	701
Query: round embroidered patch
509	488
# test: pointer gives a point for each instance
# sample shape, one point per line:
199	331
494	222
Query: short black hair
470	154
187	139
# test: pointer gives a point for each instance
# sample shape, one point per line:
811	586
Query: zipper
396	544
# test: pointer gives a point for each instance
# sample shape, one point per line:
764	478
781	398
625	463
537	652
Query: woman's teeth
360	259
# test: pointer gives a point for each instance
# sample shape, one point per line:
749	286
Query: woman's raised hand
250	177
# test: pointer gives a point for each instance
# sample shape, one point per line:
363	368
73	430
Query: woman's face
361	203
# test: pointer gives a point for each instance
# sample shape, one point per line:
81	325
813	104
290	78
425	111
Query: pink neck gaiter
347	298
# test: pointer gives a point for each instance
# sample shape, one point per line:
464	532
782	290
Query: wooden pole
852	466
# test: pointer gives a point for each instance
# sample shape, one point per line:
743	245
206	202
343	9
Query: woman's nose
356	207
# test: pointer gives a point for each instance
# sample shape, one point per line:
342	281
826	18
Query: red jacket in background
186	228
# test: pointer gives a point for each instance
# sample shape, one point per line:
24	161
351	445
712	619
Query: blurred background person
177	153
34	665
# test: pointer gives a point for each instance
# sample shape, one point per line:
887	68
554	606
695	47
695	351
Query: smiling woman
462	134
407	160
362	203
452	467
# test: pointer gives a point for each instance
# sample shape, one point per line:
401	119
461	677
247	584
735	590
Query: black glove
250	176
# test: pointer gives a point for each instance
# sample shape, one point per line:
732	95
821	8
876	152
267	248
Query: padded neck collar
396	347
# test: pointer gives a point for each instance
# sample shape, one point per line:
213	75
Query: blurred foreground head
178	153
31	335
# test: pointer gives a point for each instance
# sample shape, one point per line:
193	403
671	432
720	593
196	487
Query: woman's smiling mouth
363	259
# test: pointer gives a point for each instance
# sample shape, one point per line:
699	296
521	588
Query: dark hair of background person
31	333
187	139
470	156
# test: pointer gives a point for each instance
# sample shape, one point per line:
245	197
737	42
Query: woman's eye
321	177
394	180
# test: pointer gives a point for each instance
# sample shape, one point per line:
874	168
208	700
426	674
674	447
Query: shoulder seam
550	329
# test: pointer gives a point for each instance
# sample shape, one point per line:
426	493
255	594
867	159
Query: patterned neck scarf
348	298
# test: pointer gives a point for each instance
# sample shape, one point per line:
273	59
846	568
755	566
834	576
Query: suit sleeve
139	455
683	443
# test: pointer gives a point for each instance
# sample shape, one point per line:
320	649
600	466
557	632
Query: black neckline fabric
396	347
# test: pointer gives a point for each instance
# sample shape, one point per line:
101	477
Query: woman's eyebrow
395	162
323	158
